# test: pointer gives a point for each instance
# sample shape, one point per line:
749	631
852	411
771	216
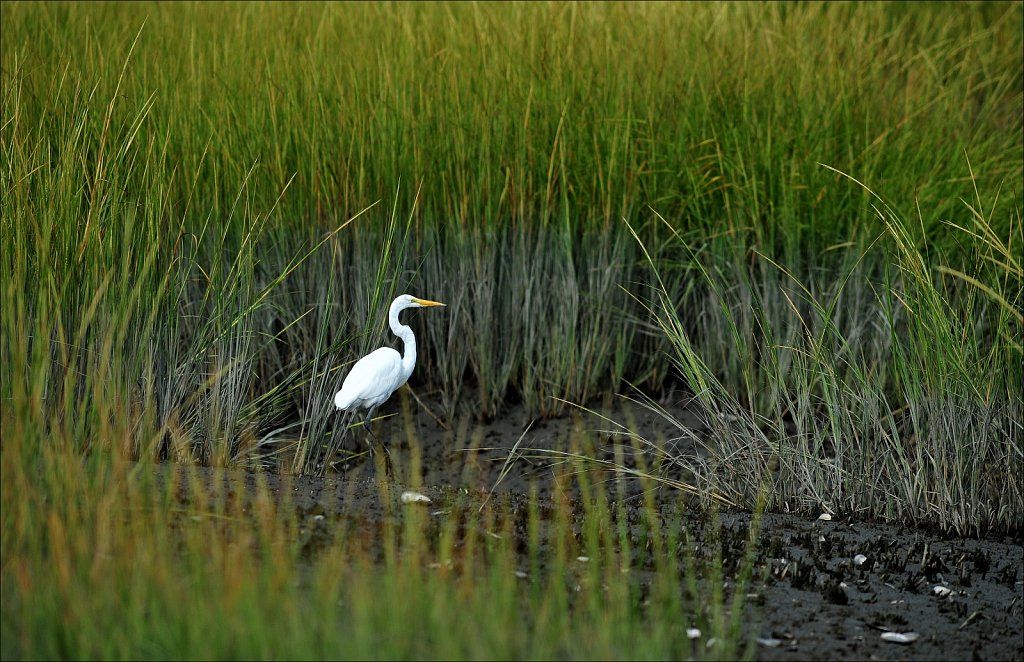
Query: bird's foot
384	459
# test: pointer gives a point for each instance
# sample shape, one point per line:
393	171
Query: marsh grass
203	215
125	560
888	391
529	133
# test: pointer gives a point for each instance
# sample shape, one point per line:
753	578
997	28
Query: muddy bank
475	455
821	589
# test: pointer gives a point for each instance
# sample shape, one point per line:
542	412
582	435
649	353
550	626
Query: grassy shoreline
199	228
807	213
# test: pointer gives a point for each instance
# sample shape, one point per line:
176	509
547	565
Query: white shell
582	559
825	517
769	642
859	559
520	574
941	591
414	497
693	633
900	637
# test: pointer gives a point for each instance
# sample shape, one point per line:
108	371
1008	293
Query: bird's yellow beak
425	302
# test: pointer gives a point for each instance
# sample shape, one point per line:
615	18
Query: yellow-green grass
105	558
178	179
205	208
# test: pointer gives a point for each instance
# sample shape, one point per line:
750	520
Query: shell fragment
414	497
900	637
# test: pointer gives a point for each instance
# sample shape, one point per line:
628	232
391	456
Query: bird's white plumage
380	373
372	380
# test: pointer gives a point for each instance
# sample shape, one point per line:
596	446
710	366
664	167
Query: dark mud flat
821	589
831	589
472	454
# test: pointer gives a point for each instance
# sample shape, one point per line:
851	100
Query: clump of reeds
888	385
173	193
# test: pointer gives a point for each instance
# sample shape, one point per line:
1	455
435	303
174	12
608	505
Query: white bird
381	372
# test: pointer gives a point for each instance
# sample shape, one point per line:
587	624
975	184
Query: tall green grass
533	131
102	560
205	208
888	387
178	180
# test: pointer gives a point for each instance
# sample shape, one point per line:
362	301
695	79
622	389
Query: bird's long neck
405	333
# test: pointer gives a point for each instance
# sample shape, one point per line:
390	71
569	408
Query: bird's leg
373	441
371	438
388	469
368	424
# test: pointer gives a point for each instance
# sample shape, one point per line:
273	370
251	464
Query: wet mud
821	589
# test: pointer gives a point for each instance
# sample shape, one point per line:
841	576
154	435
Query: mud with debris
822	588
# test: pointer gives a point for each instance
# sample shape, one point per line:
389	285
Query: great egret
379	374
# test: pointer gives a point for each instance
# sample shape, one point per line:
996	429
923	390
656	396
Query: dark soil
813	596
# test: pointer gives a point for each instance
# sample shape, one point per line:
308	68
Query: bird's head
409	301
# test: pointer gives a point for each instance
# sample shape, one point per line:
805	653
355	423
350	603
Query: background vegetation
806	215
